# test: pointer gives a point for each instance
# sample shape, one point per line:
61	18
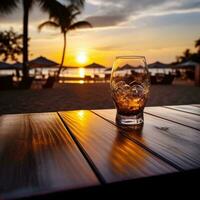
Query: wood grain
116	157
37	155
186	119
178	144
186	108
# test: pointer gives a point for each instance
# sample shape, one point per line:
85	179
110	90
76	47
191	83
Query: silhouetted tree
197	45
10	45
185	57
65	21
50	6
189	56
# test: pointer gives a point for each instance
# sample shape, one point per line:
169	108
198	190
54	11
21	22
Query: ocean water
76	72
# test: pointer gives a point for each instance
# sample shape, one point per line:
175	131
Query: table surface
41	153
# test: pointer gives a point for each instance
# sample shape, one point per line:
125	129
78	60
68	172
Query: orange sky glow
159	32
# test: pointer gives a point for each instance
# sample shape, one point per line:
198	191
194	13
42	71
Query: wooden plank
178	144
116	157
37	155
185	119
186	108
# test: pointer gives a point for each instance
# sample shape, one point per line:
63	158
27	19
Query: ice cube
120	84
137	90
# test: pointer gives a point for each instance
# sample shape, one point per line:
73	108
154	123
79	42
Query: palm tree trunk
25	38
63	55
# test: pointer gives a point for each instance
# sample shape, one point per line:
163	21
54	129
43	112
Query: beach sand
88	96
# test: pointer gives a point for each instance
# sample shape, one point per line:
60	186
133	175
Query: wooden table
63	152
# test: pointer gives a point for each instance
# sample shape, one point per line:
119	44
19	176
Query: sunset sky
157	29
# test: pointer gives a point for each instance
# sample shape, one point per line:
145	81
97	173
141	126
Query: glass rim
131	56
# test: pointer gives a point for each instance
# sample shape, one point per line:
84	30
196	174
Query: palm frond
54	8
73	16
58	12
49	24
7	6
80	24
197	43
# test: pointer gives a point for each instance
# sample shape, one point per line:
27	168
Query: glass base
130	120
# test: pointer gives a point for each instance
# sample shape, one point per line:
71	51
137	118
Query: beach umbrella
127	67
187	64
158	65
108	69
17	65
42	62
5	66
94	66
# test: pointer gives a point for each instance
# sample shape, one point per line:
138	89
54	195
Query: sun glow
81	72
81	58
81	113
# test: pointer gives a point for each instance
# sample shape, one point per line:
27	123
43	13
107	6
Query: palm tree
197	45
66	22
186	56
10	45
187	53
51	6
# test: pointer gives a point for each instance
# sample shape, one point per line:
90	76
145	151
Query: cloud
16	16
112	13
101	21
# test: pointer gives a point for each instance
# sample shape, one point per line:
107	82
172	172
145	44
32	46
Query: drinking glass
130	84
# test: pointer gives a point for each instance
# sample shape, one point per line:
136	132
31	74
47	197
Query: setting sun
81	58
